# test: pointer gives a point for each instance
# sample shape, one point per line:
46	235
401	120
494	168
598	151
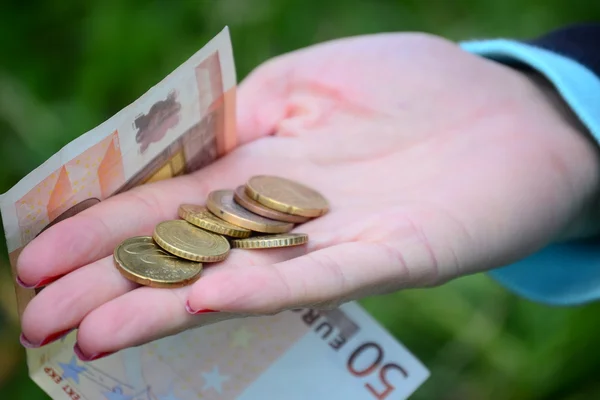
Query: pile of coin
257	215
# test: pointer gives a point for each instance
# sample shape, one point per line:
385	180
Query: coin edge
246	243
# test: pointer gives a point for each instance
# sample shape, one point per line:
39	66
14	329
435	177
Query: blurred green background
66	66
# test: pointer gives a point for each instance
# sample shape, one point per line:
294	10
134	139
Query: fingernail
52	338
40	283
196	312
92	357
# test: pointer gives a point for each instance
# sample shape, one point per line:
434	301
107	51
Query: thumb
323	278
261	100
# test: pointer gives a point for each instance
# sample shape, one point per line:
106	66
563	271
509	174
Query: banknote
180	125
296	355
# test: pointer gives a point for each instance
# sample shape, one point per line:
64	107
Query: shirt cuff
564	273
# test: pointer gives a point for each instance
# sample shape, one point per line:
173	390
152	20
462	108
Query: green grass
67	66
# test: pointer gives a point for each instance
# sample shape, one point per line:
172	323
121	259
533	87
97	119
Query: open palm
431	160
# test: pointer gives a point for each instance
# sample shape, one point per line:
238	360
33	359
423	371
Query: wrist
572	92
586	182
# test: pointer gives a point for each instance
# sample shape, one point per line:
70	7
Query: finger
325	277
146	314
61	306
138	317
95	232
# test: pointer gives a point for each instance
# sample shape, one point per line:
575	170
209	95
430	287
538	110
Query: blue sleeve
563	273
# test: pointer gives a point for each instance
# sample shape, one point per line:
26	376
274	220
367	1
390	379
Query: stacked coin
257	215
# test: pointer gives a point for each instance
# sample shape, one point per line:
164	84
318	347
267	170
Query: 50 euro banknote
180	125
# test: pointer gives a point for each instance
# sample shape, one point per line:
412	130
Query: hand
436	163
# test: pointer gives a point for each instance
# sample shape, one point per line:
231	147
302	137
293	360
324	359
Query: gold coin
270	241
184	240
221	203
242	198
140	260
287	196
201	217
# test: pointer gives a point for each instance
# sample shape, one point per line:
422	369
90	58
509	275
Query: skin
436	163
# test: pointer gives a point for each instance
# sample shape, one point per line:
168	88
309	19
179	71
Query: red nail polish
40	283
93	357
51	338
196	312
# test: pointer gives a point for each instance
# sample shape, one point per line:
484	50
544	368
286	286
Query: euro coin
270	241
221	203
184	240
140	260
203	218
242	198
287	196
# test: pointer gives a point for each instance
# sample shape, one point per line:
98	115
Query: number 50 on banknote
180	125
